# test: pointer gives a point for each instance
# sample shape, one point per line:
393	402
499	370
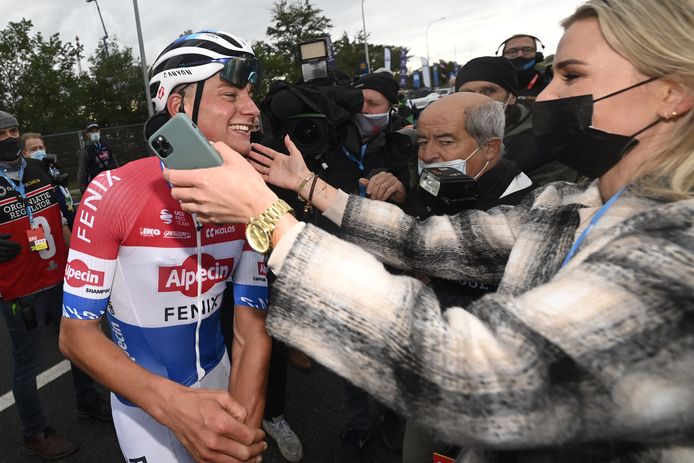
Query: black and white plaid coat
593	362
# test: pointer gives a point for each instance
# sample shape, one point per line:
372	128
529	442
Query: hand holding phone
180	145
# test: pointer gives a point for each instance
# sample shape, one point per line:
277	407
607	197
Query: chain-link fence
126	141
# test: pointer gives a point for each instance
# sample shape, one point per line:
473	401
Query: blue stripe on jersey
251	296
170	351
83	308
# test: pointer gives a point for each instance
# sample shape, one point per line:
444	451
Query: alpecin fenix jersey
137	255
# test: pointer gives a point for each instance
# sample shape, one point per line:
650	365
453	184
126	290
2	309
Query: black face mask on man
562	128
9	149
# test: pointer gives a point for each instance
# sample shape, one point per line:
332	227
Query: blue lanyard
360	164
21	190
590	227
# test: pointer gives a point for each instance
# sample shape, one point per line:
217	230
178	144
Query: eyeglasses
525	51
240	71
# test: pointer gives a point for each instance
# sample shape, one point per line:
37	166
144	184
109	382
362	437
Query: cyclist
159	277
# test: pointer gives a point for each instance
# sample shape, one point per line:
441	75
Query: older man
464	131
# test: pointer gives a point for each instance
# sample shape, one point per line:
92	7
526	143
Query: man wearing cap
495	77
363	166
33	252
96	157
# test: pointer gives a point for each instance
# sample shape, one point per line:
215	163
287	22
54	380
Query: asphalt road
314	410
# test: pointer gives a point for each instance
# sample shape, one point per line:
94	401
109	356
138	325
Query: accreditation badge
37	239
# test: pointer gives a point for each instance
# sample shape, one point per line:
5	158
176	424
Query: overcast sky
470	28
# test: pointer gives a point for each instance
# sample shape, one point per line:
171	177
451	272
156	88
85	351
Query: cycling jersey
31	271
137	254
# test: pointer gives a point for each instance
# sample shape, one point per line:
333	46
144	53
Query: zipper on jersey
198	300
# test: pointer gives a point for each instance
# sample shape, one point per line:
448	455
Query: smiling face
227	113
585	64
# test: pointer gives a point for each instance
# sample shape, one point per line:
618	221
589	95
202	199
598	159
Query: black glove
8	248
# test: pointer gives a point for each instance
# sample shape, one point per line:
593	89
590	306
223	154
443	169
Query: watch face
257	238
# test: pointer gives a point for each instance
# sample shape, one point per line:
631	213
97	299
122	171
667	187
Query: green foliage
292	23
115	93
37	81
40	86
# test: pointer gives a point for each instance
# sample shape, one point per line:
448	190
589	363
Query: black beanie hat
494	69
382	82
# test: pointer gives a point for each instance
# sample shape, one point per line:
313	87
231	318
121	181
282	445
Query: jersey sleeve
91	262
250	280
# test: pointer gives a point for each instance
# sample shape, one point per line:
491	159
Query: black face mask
562	129
9	149
523	64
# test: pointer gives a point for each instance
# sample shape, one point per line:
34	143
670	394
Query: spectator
585	352
521	49
95	157
30	291
161	278
33	146
495	77
462	131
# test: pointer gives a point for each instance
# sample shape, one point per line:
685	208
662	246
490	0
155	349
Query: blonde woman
586	352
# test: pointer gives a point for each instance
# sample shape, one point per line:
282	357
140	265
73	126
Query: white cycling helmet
197	57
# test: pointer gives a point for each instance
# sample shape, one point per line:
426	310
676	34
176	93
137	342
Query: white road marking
44	378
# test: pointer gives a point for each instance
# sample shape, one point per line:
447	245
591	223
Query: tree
115	93
292	23
37	78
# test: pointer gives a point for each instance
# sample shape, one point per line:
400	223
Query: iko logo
77	274
183	277
149	232
166	216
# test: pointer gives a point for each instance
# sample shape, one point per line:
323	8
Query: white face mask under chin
458	164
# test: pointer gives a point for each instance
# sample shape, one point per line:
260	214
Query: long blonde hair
657	37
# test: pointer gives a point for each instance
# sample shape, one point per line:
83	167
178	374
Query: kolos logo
77	274
183	277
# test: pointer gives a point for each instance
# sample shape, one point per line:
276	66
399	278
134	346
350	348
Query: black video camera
314	116
446	190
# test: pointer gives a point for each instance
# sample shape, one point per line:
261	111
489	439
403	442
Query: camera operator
95	157
32	261
33	146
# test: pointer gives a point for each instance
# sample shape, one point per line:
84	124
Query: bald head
456	125
453	106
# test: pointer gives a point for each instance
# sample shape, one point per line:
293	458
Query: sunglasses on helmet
239	71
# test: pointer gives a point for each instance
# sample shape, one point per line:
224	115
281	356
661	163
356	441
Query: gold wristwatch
259	230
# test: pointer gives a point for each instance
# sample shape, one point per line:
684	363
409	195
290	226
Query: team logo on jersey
77	274
177	234
149	232
166	216
216	231
262	268
182	278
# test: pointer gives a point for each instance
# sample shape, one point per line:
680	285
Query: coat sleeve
470	245
604	350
